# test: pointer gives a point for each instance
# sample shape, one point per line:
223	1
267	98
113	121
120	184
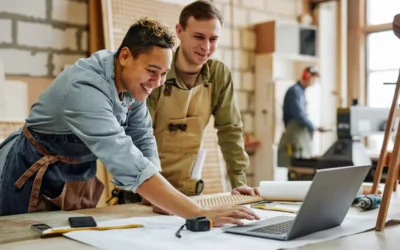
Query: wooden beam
96	33
356	52
377	28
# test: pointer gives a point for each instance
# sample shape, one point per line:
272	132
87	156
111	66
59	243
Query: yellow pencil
57	232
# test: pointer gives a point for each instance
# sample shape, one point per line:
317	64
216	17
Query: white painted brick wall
5	31
241	60
236	2
182	2
218	54
60	61
31	8
236	39
248	39
299	7
236	79
259	17
222	1
84	41
225	37
248	81
46	36
242	99
240	17
227	57
70	11
227	14
284	7
24	62
290	7
253	4
220	7
248	123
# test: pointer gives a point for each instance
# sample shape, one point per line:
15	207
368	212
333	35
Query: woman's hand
231	214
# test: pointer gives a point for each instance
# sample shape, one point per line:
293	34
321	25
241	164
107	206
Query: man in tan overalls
196	88
296	141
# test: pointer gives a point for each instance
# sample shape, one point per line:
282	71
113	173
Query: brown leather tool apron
181	118
75	194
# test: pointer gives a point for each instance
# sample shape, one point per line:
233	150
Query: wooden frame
358	29
392	178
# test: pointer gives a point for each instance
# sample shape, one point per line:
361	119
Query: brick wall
237	44
38	37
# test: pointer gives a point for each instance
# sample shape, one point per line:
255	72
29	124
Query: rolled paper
284	190
287	190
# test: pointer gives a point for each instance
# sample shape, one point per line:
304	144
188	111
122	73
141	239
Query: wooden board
18	227
213	200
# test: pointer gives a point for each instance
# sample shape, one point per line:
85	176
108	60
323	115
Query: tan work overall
295	142
181	118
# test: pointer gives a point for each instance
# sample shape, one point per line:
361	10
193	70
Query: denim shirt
295	108
83	100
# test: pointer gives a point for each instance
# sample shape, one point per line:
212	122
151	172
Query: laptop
325	206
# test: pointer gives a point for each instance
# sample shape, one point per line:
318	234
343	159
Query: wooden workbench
15	232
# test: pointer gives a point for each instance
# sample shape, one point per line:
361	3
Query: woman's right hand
229	214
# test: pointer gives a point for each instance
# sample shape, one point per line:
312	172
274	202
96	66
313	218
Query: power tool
368	202
196	224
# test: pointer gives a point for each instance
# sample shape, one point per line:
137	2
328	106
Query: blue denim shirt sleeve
140	129
296	106
88	113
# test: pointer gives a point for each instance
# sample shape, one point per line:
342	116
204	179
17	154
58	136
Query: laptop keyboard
279	228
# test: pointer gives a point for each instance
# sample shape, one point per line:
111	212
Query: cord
178	233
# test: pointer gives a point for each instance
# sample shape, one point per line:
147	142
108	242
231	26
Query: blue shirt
83	100
294	107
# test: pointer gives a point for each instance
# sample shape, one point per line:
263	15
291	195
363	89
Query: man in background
296	141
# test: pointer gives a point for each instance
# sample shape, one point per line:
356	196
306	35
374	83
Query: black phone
82	221
40	227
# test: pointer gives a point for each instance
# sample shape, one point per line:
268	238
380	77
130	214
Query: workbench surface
15	232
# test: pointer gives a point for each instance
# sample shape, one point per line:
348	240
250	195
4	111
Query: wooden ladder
392	178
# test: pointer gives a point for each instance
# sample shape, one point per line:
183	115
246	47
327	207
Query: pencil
56	232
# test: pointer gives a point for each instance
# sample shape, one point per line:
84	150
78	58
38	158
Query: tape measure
196	224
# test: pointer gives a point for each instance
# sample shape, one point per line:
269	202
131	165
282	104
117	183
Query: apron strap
40	167
34	143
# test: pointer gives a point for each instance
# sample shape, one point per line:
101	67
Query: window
381	11
382	54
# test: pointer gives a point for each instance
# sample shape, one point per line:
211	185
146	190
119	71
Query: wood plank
17	227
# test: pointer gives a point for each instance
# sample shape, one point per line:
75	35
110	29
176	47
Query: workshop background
38	38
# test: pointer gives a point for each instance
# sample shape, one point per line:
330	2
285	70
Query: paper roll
286	190
198	166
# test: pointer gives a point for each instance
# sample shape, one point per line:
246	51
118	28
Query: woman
96	110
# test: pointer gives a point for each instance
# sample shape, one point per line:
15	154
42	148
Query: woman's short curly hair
145	34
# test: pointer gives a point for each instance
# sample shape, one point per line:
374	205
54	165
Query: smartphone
40	227
82	221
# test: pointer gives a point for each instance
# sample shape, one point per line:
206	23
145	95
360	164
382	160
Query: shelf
295	58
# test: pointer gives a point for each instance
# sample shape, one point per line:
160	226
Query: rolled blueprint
286	190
